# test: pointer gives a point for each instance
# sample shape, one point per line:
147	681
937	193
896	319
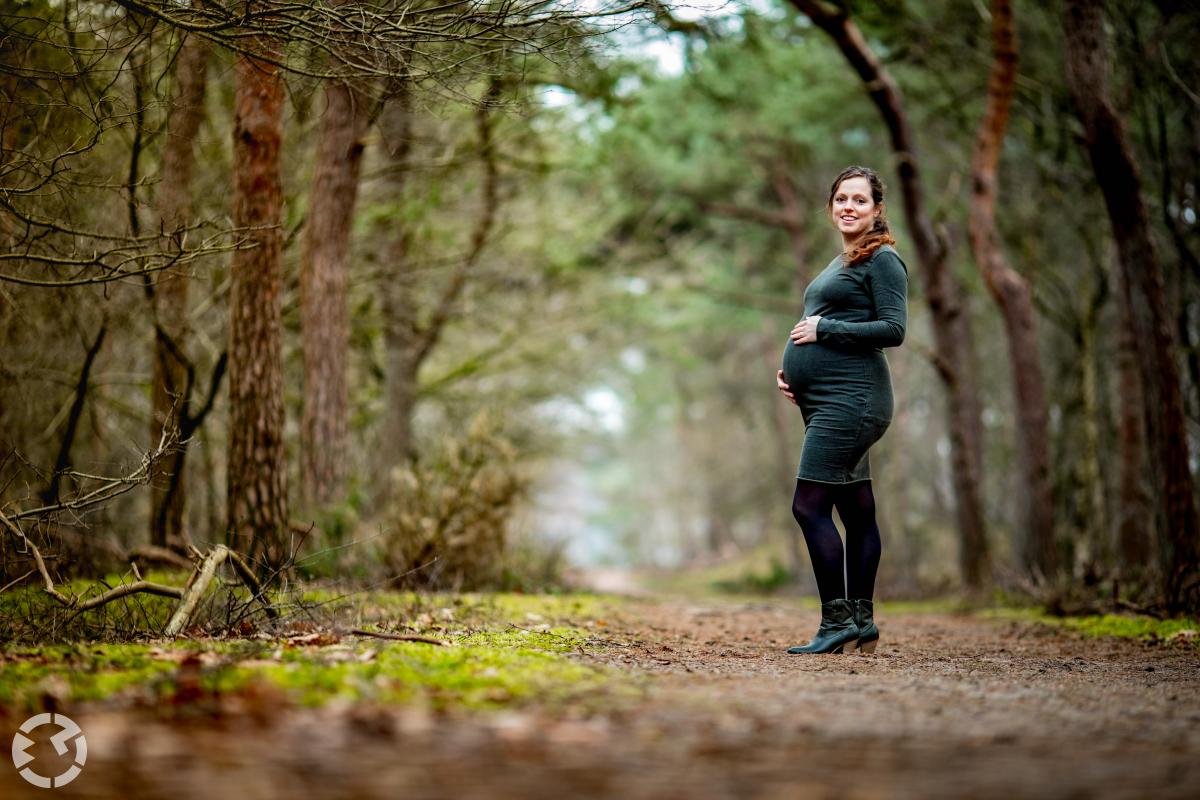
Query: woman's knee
812	505
807	515
856	505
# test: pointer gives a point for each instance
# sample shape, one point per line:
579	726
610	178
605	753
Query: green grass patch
89	672
500	651
1098	625
469	609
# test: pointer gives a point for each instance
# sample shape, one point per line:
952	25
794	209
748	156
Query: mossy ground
500	650
1119	625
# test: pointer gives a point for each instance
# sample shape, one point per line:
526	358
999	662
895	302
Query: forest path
948	706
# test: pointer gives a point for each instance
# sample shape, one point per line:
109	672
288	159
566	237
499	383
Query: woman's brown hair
879	234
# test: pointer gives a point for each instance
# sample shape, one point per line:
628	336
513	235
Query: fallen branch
73	602
203	576
189	596
148	587
396	637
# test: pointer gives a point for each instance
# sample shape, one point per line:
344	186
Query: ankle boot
836	632
868	634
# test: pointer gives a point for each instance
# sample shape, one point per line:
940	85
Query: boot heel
869	647
837	632
849	647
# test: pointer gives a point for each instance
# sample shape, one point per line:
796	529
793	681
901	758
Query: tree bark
944	293
323	301
1120	182
396	289
1036	547
170	390
1091	480
1136	521
256	499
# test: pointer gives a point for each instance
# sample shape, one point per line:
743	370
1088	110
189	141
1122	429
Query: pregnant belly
856	380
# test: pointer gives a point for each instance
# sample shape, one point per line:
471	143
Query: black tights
812	506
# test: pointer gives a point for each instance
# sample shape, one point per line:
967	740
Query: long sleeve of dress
888	285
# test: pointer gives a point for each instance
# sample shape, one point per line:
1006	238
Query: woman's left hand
805	330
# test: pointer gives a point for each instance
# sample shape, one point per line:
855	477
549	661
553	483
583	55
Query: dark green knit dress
841	381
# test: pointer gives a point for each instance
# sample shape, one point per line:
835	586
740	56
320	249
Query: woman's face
853	209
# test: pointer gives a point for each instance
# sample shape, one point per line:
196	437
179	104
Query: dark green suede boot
864	618
837	629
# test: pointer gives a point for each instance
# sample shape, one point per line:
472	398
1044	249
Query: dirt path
947	707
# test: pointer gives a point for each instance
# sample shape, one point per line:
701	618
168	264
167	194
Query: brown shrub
447	525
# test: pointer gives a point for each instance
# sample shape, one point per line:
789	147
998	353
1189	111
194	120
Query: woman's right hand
783	387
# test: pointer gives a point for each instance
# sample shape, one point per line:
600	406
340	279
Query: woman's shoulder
887	257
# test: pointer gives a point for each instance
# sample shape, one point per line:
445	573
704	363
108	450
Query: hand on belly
805	330
783	387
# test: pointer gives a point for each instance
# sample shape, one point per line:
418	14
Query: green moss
470	677
84	672
502	650
468	609
1119	625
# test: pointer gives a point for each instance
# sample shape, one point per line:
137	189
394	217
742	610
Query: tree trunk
1136	521
953	343
256	499
1035	542
399	304
1120	181
168	495
1091	479
323	302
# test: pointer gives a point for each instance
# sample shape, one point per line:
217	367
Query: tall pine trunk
1151	321
953	342
1092	501
256	498
1136	521
1035	541
323	300
168	489
397	297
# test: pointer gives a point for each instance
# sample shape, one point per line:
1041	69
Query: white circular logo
70	733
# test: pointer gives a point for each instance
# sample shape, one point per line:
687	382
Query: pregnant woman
835	371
